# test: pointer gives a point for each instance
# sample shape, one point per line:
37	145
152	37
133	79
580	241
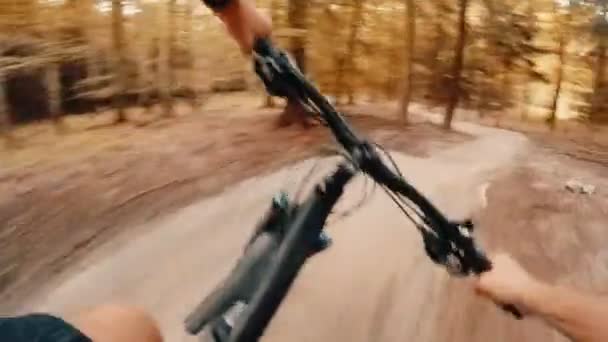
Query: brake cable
447	243
289	234
282	78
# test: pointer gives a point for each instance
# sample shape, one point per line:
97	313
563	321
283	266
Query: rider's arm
244	22
581	317
578	316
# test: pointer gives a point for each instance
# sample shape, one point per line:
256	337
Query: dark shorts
39	328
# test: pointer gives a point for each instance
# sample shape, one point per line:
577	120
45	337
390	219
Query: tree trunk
85	12
141	52
53	86
274	14
143	71
167	61
189	22
527	100
457	66
493	28
339	81
410	41
93	73
351	95
52	70
120	79
5	119
528	81
351	48
438	44
297	18
391	80
552	120
507	86
598	81
479	102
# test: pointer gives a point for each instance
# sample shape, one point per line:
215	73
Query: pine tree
410	44
455	86
120	62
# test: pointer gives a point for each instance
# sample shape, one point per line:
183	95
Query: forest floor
63	197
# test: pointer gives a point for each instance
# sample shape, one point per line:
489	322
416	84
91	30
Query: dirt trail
62	196
375	284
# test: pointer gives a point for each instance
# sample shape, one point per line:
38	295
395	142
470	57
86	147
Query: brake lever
461	260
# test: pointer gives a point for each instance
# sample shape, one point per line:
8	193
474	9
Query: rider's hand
507	283
245	23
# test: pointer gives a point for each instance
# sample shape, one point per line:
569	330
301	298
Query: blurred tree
339	50
297	18
144	51
189	50
434	54
599	88
274	14
142	48
381	37
167	60
20	16
532	74
53	84
562	17
5	119
351	49
85	12
455	86
298	21
120	60
510	31
410	43
53	59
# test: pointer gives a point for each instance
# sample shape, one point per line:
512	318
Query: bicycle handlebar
282	78
287	238
450	243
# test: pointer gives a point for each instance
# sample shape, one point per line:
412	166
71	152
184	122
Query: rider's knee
119	323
